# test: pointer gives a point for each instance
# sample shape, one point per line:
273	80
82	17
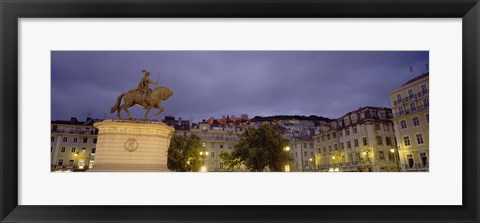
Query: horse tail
117	104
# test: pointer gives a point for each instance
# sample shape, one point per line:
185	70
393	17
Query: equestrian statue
142	96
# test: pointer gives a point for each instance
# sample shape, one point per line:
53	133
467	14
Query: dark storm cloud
215	83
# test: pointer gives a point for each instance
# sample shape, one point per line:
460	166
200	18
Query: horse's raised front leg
160	111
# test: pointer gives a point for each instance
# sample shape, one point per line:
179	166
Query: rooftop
416	78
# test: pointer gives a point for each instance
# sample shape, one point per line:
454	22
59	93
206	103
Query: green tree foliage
230	162
184	153
258	149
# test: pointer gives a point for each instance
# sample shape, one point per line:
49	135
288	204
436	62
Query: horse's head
164	93
168	93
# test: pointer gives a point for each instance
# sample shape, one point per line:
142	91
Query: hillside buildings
410	105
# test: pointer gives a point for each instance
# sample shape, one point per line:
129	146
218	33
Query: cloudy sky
216	83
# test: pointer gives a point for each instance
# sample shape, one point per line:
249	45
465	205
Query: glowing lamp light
364	153
333	157
201	153
392	150
287	148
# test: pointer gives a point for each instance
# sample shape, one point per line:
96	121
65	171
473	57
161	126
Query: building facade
302	151
360	141
72	145
216	139
410	105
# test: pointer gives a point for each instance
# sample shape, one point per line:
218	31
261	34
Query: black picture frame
11	11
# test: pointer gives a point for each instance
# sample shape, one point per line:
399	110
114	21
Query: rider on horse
144	85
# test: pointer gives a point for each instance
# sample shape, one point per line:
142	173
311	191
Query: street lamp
287	167
396	159
365	153
333	162
203	154
314	165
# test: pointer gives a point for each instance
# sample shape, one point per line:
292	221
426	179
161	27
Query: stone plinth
132	146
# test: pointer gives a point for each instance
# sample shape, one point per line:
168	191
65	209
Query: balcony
409	98
409	111
416	167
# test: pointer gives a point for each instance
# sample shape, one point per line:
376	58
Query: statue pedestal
132	146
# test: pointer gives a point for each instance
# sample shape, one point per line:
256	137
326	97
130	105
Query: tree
184	153
260	148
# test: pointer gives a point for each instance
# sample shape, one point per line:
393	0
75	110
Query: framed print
246	111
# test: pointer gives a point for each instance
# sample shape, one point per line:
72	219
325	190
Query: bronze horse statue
134	97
